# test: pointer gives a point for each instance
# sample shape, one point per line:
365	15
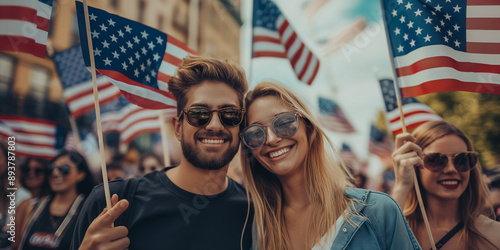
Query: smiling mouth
212	141
279	152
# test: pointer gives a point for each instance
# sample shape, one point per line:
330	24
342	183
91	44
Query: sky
348	76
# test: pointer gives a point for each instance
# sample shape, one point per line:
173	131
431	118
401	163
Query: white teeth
278	153
211	141
449	182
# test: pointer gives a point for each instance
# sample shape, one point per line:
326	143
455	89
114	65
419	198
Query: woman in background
451	184
33	177
300	192
51	224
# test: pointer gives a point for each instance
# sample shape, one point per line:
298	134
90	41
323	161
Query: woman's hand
405	158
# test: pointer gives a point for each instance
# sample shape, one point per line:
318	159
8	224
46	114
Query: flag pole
164	136
76	134
402	118
97	109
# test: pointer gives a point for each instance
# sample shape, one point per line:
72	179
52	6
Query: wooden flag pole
402	118
164	136
76	134
97	109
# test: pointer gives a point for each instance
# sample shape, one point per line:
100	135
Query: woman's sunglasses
463	162
64	169
201	116
36	171
284	125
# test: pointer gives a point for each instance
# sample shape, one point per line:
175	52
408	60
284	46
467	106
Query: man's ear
177	127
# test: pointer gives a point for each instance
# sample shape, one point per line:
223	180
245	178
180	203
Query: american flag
131	120
24	25
445	45
350	159
77	82
35	137
332	117
415	112
379	144
89	145
138	59
273	36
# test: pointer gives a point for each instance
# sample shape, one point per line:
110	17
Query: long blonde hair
326	179
472	202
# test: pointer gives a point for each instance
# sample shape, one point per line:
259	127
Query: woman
52	221
33	177
150	162
299	189
451	184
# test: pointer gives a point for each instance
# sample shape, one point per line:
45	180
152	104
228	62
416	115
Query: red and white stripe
483	26
80	98
415	114
338	124
133	120
382	149
285	43
174	54
351	160
24	26
440	68
34	137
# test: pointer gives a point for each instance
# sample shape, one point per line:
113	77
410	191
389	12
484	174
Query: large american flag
77	82
273	36
34	137
24	25
332	117
415	112
445	45
379	144
136	58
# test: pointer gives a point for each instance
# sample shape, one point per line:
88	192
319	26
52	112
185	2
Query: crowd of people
295	193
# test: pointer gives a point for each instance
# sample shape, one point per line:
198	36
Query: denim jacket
381	225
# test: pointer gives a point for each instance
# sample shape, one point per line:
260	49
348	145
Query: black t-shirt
41	234
163	216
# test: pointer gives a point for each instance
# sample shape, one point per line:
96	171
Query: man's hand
102	235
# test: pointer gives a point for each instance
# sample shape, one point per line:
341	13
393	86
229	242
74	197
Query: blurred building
30	85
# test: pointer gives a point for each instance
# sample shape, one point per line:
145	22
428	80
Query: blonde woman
299	188
452	188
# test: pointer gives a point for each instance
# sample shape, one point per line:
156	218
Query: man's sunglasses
463	162
64	169
284	125
36	171
200	116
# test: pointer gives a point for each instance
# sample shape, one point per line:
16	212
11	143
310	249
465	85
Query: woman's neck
442	213
295	191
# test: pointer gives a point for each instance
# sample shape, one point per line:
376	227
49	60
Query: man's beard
199	159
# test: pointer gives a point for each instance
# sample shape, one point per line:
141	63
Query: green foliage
478	115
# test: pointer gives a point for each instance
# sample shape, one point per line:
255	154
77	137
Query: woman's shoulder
370	197
488	228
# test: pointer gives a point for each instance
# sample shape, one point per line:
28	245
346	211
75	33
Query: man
191	206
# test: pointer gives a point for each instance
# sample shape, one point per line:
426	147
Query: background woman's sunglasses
64	169
201	116
463	162
284	125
